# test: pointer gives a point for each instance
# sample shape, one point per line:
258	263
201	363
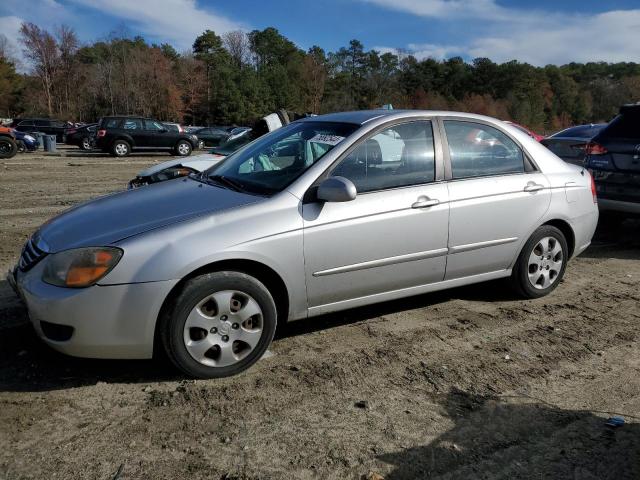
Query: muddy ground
467	383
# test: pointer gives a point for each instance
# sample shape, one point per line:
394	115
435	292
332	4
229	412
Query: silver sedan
325	214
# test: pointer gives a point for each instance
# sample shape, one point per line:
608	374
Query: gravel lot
467	383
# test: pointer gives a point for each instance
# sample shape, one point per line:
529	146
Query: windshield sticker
327	139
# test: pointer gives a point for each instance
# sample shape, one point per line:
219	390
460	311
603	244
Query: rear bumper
607	205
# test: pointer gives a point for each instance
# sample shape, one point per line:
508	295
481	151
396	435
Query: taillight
593	190
101	133
594	148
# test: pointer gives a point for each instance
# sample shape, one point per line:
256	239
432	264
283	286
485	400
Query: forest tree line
238	76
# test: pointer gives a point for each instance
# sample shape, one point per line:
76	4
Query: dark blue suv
613	157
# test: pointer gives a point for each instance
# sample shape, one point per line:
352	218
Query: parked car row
148	137
611	151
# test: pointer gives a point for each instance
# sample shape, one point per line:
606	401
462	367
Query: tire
120	148
201	145
85	143
536	275
8	147
202	334
21	146
183	148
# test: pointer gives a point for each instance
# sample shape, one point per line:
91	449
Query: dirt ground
467	383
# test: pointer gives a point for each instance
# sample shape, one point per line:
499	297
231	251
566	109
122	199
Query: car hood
196	162
109	219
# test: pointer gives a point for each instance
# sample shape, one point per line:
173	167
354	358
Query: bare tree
237	43
42	50
68	46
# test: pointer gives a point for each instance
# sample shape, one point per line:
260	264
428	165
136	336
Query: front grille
31	255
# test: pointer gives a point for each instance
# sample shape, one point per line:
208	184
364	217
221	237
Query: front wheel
85	144
541	263
183	148
201	145
8	147
21	146
219	325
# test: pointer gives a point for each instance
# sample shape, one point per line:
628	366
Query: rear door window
478	150
132	124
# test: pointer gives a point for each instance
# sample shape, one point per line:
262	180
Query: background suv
613	156
120	135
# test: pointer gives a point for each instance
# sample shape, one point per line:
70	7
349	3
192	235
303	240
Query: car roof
630	108
361	117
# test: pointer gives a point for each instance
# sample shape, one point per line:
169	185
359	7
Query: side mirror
336	189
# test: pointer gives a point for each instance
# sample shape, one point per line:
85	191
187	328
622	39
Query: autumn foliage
239	76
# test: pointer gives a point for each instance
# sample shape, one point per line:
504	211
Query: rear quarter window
110	123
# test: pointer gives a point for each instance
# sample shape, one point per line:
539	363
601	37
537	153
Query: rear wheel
201	144
219	325
85	143
183	148
542	262
8	147
120	148
21	146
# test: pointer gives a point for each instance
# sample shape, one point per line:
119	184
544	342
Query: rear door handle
425	202
533	187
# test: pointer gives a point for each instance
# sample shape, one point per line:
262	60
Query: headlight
30	138
81	267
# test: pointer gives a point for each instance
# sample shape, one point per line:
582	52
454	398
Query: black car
569	144
83	137
211	136
44	125
613	157
120	135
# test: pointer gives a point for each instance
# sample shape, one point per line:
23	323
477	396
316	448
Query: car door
393	236
134	128
496	194
159	135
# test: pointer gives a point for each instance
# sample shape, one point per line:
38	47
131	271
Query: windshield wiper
226	181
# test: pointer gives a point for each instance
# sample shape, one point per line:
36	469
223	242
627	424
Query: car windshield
272	162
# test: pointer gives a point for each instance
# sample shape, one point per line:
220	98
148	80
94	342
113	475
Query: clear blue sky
547	32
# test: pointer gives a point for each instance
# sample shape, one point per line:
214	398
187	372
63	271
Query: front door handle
533	187
424	202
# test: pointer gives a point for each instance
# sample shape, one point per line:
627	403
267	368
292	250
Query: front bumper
114	321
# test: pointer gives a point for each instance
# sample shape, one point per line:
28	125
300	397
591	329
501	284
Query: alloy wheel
121	149
545	263
183	149
223	328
